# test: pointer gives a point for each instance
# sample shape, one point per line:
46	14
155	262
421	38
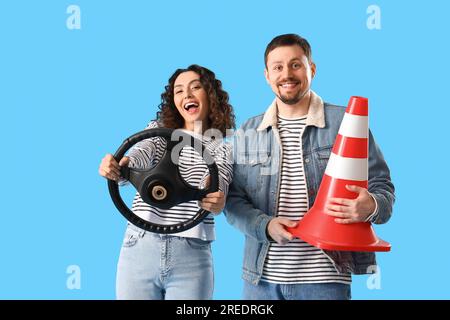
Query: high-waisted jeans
157	266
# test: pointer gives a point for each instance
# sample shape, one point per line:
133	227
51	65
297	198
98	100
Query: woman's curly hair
220	116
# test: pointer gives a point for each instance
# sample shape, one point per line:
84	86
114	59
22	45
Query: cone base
378	246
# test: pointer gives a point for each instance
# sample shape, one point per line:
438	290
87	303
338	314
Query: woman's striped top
147	153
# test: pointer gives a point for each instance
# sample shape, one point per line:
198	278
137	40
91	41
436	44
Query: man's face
289	73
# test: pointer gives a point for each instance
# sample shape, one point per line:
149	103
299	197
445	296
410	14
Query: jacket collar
315	116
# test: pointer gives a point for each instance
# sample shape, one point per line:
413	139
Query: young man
281	157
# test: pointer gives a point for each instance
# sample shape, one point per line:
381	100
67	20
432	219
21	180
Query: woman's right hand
110	169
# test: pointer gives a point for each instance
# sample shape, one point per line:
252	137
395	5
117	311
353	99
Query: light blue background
67	97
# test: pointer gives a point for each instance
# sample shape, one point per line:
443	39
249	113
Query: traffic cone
348	165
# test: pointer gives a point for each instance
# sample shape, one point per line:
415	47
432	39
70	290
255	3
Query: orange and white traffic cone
348	165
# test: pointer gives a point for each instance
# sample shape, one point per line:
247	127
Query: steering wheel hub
159	193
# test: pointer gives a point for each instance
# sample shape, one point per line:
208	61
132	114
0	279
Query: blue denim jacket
253	195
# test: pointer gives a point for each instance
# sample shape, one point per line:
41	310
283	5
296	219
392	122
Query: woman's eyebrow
195	80
180	85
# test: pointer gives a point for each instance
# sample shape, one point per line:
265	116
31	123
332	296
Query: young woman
177	266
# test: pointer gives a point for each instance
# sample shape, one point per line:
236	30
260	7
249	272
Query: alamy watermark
245	147
374	280
73	21
374	19
73	281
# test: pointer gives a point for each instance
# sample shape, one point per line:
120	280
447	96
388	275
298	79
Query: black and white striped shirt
147	153
296	262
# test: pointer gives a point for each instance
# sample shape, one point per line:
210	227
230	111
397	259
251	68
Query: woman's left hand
213	202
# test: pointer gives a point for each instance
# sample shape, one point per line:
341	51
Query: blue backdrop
70	95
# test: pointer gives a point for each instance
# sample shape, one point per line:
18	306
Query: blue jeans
313	291
156	267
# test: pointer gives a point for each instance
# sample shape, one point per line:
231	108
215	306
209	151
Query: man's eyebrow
180	85
293	59
275	62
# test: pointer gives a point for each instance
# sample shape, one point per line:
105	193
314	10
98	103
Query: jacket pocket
257	170
322	156
253	178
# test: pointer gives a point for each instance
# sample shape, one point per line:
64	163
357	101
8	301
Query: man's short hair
289	39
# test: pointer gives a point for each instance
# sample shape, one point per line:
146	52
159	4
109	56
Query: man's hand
276	229
349	211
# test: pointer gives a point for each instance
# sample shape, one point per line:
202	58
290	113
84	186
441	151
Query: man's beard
293	100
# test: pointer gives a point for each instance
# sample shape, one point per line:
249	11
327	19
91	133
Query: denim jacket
253	195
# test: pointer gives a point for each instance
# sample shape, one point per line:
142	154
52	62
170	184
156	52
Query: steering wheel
163	186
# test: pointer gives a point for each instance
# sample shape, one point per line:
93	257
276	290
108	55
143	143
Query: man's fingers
342	201
337	208
277	230
282	234
287	222
286	235
282	241
283	237
344	221
338	214
354	188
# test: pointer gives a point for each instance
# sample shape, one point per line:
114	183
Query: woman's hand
213	202
110	169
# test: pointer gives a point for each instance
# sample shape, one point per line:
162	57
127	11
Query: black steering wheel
163	186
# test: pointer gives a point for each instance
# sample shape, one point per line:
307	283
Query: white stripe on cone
354	126
347	168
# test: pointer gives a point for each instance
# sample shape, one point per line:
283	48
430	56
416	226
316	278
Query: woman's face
191	99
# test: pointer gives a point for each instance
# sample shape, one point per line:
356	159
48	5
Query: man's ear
266	75
313	69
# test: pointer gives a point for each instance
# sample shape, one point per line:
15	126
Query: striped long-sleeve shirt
296	261
147	153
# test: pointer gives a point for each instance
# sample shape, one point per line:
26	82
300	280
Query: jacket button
307	160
